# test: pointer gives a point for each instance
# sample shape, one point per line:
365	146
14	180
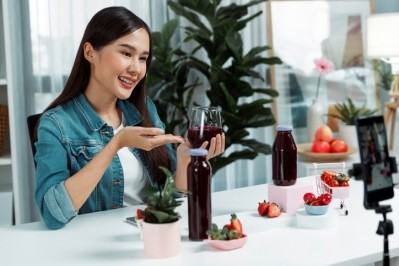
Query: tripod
385	228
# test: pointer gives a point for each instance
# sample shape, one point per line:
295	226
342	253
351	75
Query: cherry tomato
344	184
309	197
333	183
325	198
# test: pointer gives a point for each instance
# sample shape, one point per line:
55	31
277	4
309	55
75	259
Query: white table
104	238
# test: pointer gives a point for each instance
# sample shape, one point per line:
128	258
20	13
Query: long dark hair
106	26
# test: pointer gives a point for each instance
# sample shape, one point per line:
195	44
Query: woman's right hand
145	138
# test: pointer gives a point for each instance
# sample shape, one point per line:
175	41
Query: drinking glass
205	123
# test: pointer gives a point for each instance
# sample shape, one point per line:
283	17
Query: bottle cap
284	128
198	152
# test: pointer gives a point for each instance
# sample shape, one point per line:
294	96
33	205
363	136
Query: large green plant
168	83
229	72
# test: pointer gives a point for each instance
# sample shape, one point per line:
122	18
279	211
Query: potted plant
347	113
161	223
225	70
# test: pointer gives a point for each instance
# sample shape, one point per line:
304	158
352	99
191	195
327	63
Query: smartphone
376	163
131	220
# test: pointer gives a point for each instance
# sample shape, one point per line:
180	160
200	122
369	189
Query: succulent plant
348	112
162	201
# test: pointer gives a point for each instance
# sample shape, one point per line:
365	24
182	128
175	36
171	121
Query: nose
134	66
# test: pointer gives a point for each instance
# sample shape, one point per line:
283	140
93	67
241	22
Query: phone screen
373	149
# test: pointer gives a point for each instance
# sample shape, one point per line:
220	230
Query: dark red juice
199	198
284	158
197	137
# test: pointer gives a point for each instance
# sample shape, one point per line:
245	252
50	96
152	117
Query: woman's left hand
216	146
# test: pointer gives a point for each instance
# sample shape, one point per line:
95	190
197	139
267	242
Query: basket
340	193
3	127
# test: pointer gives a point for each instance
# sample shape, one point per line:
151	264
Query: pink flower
324	66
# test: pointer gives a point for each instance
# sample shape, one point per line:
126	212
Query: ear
88	51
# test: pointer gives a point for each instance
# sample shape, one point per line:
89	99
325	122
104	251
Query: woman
101	141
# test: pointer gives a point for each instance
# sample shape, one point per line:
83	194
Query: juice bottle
284	157
199	197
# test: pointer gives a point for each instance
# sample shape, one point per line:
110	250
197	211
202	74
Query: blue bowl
316	210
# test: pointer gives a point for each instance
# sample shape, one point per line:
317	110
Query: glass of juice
205	123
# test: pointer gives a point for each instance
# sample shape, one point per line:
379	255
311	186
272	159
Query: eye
127	54
143	58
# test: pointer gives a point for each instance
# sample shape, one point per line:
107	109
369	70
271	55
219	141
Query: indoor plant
219	61
161	224
347	113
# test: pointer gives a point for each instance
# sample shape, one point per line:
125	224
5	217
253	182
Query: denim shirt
69	136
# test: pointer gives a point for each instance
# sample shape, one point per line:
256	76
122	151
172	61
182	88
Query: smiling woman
100	143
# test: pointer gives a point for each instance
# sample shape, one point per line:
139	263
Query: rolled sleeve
59	203
52	170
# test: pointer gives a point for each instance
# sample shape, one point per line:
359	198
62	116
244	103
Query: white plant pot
348	134
161	240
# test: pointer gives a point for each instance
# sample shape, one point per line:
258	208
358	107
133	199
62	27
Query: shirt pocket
82	154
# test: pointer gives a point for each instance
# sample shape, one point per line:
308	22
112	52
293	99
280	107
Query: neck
105	106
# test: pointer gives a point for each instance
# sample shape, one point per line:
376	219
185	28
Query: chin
124	95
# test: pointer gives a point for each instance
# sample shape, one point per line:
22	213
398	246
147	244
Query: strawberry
274	210
263	208
236	224
139	214
227	226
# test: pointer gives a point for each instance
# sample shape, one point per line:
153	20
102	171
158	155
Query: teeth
125	80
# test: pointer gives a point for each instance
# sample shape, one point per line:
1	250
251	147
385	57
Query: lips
126	82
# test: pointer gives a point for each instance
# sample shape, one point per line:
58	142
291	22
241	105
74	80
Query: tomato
323	133
344	184
325	198
339	146
309	197
333	183
328	179
320	147
316	203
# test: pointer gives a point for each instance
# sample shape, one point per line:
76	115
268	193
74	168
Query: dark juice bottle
284	157
199	197
196	136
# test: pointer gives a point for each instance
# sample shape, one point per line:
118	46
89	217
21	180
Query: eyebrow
132	48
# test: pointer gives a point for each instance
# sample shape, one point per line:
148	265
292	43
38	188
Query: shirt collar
94	121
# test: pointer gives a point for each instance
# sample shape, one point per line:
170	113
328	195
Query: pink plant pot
161	240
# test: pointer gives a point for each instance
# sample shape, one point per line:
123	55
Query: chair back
32	122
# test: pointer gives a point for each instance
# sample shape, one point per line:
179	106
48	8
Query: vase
348	134
314	119
161	240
